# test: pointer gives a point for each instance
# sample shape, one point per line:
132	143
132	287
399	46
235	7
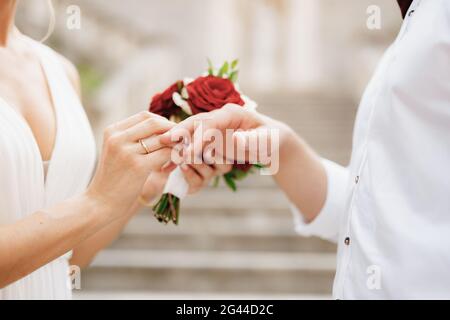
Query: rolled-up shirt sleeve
326	224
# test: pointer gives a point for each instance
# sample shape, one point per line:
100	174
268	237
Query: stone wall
285	46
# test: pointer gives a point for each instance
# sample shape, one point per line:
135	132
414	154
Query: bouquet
188	97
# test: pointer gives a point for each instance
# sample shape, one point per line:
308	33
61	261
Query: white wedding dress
24	186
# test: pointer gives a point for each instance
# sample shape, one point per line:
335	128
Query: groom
389	210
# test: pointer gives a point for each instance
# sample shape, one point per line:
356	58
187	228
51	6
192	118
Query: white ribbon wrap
176	184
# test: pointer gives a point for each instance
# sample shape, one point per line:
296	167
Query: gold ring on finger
147	151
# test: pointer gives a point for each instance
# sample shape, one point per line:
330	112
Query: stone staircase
231	245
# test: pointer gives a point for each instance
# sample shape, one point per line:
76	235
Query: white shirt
389	211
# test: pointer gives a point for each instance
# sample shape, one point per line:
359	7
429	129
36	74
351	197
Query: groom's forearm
301	174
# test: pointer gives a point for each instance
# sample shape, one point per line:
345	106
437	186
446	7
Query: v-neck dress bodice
24	186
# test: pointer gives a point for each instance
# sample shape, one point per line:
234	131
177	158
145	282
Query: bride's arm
197	176
85	251
123	168
45	235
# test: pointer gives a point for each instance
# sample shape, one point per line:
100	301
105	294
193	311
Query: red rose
162	103
211	93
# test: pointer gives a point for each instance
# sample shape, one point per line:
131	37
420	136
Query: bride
55	210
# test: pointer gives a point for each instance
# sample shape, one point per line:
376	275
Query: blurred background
305	62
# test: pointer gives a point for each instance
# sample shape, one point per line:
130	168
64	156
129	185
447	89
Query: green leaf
259	166
210	67
224	70
160	207
238	174
234	64
234	76
177	210
230	182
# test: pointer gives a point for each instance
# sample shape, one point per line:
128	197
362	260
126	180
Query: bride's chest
27	93
24	185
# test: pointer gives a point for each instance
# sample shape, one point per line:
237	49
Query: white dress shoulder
24	186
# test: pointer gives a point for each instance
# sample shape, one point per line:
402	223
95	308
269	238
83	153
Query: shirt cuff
326	224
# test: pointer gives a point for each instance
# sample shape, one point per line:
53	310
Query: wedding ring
144	146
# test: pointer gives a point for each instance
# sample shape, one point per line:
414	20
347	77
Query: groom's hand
194	128
230	116
245	126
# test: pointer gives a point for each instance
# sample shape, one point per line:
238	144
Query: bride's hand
199	176
125	163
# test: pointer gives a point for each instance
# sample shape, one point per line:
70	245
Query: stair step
244	198
152	295
190	271
225	222
223	243
198	260
205	230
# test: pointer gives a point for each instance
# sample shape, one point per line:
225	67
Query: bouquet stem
167	209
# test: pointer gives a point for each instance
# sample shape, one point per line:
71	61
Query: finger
253	145
221	169
155	161
147	145
186	128
168	167
192	177
205	133
154	185
241	141
148	128
229	117
135	119
205	171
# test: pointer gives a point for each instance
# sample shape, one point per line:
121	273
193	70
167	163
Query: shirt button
356	179
347	241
